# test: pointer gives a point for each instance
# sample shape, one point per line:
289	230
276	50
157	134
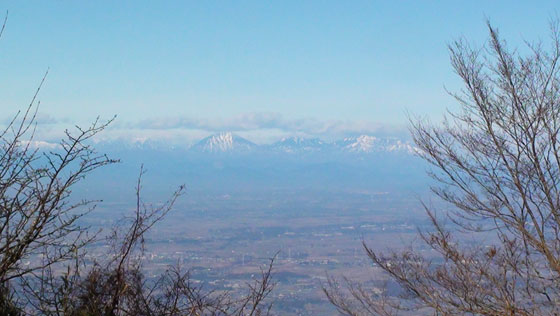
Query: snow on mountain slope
231	143
299	144
370	144
224	142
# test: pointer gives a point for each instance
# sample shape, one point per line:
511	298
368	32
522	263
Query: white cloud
41	118
258	122
39	144
259	127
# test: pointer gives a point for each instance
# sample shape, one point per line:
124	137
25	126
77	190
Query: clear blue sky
297	66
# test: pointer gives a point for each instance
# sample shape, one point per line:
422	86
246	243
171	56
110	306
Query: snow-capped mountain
228	162
224	142
371	144
299	144
231	143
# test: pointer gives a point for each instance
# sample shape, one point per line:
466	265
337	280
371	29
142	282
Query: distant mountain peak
299	144
362	143
369	144
224	142
299	140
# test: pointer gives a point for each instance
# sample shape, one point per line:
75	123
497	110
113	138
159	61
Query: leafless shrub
497	162
117	285
37	217
42	245
42	270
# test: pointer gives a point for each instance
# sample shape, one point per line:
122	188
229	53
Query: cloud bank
263	121
259	127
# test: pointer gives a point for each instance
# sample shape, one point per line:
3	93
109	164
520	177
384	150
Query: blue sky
184	69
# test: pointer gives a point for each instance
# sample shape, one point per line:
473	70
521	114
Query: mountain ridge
223	142
229	142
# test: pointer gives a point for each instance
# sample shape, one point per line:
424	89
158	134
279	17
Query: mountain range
227	163
231	143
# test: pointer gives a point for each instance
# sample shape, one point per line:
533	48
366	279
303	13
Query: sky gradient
183	70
